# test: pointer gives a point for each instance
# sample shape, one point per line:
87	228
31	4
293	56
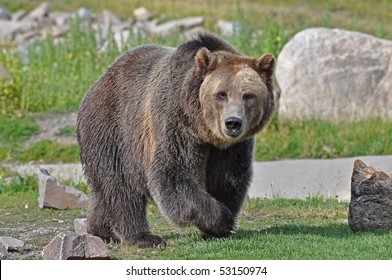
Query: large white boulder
336	75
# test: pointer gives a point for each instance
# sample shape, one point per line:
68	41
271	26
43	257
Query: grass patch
15	184
323	139
69	130
42	151
267	229
15	129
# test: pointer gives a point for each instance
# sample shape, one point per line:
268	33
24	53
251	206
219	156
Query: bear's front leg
229	173
175	182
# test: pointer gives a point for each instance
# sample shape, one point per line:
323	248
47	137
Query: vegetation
267	229
13	128
56	77
69	130
323	139
66	71
368	16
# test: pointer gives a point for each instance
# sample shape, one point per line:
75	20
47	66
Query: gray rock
228	28
173	26
107	18
3	252
11	244
19	15
53	194
42	11
72	246
9	29
60	18
26	38
83	14
4	14
336	75
370	207
80	226
142	14
121	38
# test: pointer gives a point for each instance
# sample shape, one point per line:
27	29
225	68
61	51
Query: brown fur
176	126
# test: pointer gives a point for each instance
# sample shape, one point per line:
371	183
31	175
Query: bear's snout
233	126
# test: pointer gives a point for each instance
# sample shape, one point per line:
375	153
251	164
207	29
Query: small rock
39	13
53	194
83	14
3	252
4	14
72	246
121	38
80	226
228	28
19	15
173	26
60	18
26	37
11	244
107	18
370	207
142	14
57	221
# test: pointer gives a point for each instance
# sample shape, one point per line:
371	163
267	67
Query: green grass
69	130
323	139
41	151
267	229
15	129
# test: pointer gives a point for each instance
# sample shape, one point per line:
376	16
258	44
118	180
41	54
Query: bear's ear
203	58
266	64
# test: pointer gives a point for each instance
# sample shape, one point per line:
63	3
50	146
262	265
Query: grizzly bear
177	126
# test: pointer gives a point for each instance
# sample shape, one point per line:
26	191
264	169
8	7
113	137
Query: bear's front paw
218	226
144	240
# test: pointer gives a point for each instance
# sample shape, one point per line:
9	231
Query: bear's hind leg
98	223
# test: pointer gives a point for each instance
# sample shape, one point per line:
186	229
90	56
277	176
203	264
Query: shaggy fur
154	126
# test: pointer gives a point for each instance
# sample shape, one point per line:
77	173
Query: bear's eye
221	95
250	97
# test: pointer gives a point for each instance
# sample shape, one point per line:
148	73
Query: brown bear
175	125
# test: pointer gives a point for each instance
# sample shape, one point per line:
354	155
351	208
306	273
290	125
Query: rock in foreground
11	244
72	246
53	194
371	199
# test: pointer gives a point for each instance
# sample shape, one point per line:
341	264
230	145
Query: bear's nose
233	124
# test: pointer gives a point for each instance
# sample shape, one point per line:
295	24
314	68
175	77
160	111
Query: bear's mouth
232	133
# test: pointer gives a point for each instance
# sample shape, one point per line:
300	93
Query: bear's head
236	95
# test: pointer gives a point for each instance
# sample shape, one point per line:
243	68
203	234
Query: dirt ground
50	124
